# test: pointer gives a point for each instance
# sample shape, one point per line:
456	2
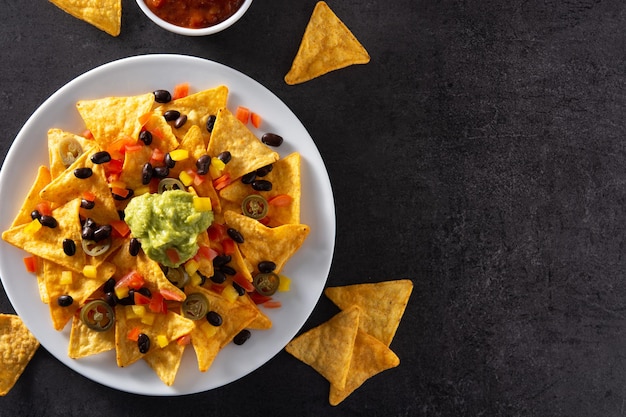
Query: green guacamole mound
165	221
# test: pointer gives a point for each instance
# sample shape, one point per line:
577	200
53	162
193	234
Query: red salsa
194	14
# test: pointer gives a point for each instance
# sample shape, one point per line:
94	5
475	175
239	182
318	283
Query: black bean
35	215
228	270
218	277
65	300
121	198
127	301
210	123
143	343
101	157
145	137
202	164
263	171
203	277
214	318
110	298
242	337
88	228
162	96
180	121
161	172
234	235
248	178
121	214
69	247
102	232
272	139
261	185
145	291
240	290
146	173
87	204
266	267
83	173
134	246
109	285
48	221
221	260
224	157
171	115
169	162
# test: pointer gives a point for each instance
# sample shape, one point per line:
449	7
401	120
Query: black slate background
480	153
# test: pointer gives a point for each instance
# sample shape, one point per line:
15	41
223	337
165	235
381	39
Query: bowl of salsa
194	17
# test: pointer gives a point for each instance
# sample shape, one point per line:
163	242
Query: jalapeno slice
254	206
168	184
93	248
195	306
69	150
97	315
266	284
177	276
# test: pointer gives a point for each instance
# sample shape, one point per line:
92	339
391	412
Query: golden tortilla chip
106	15
166	361
327	45
86	342
262	243
247	151
62	142
285	179
41	282
17	347
32	198
382	305
370	357
328	347
262	321
113	118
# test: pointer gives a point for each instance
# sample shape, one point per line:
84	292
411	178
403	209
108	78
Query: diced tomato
172	255
217	232
114	166
120	228
157	156
133	334
157	303
272	304
88	195
228	246
171	295
180	90
30	262
243	282
132	280
43	207
141	299
258	298
206	252
256	119
221	181
183	340
280	200
243	114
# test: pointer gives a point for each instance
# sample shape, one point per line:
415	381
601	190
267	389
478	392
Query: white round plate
308	269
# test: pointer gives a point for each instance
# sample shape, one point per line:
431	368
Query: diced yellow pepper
66	278
202	203
230	293
208	329
138	310
185	178
191	266
142	190
33	227
90	271
117	184
284	283
148	318
121	292
216	168
162	341
179	154
131	313
196	279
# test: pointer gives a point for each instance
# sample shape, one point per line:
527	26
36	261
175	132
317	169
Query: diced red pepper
256	119
228	246
141	299
143	119
157	156
171	295
272	304
183	340
172	255
122	192
114	166
180	91
30	262
132	280
43	207
157	303
88	195
280	200
217	232
206	252
217	288
243	282
87	134
243	114
265	220
221	181
120	228
133	334
258	298
133	148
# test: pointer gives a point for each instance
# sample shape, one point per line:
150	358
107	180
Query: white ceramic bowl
194	32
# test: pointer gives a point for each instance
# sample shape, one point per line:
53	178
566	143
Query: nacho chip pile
89	263
353	346
17	347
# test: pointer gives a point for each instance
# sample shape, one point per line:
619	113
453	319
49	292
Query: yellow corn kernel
121	292
202	204
162	341
90	271
148	318
33	227
284	283
179	154
230	293
139	310
66	278
191	266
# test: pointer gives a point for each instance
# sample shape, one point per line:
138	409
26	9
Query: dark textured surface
480	154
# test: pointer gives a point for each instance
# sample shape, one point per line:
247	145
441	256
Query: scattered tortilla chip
32	198
86	342
17	347
370	357
327	45
166	361
382	305
247	151
262	243
328	347
106	15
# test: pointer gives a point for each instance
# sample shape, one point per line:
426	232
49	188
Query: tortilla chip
262	321
285	179
198	107
17	347
56	137
41	282
328	347
262	243
166	361
247	151
112	118
86	342
32	198
106	15
382	305
370	357
207	340
327	45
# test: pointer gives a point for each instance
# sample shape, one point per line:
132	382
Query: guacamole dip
167	221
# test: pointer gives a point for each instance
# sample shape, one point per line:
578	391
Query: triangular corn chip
63	146
106	15
86	342
328	347
166	361
17	347
382	305
32	198
327	45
